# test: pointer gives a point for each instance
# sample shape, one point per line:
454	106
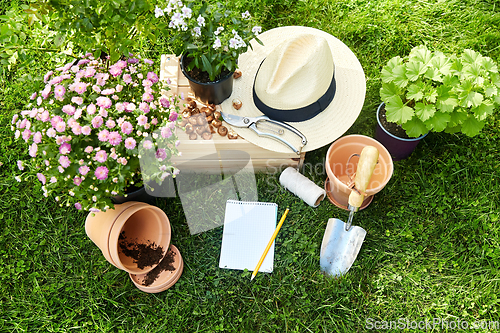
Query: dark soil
144	255
392	128
200	76
165	265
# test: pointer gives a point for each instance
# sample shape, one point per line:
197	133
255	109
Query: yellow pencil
269	244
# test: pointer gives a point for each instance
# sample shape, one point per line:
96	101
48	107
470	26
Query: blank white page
248	227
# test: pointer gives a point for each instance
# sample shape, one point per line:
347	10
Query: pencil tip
252	277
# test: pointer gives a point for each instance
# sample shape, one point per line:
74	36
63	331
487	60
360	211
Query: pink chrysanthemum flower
77	181
83	170
51	133
101	156
147	144
130	107
64	161
115	71
152	77
76	129
114	138
147	83
109	91
60	126
121	64
80	87
91	109
89	72
127	127
65	148
86	130
101	173
69	109
173	116
166	132
144	107
147	97
97	122
33	149
47	76
142	120
103	135
165	102
59	91
110	123
119	88
120	107
161	154
89	149
78	206
103	102
41	178
20	165
77	100
127	78
37	137
130	143
54	121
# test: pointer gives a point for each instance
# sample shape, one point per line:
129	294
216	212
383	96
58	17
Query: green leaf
207	66
441	62
415	92
389	90
414	70
470	56
394	71
397	112
438	122
433	74
415	128
489	65
59	39
472	126
446	104
474	99
431	94
420	54
490	90
424	111
484	110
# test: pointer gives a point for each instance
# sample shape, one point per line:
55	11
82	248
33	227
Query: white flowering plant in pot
210	36
83	131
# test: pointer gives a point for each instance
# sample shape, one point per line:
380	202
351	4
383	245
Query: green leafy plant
86	129
211	35
432	91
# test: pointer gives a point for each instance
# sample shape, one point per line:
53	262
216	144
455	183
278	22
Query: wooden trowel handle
366	165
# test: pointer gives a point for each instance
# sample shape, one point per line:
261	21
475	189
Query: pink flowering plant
211	35
84	129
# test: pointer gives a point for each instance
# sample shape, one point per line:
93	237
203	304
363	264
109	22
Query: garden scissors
251	122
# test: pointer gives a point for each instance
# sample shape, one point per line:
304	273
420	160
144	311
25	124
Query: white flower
186	12
158	12
217	43
219	30
257	30
196	32
201	21
18	178
233	43
245	15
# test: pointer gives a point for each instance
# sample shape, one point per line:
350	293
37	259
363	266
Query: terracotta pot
399	148
165	279
98	227
141	222
338	169
209	92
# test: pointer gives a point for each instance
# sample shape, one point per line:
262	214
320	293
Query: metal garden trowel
341	241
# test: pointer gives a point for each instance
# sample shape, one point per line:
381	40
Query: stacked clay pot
142	222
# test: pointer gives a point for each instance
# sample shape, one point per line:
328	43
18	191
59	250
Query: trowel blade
340	248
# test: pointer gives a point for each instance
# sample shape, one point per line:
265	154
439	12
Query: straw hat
302	76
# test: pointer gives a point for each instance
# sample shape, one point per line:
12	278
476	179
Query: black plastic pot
139	195
399	148
211	92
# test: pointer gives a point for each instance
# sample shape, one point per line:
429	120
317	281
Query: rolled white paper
302	187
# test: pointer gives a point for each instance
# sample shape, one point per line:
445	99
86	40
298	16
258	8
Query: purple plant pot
399	148
210	92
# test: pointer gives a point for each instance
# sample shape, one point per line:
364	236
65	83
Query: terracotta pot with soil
340	164
205	90
394	137
133	237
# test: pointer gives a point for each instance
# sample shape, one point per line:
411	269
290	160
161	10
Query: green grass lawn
432	246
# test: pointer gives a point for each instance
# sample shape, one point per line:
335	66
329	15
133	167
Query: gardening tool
341	241
252	122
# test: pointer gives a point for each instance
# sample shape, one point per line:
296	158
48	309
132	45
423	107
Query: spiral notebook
248	227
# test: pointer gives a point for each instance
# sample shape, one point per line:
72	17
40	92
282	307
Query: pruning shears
251	122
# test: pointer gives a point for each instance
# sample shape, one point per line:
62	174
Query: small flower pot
399	148
141	225
210	92
163	276
338	169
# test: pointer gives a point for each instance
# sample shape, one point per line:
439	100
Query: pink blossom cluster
84	127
